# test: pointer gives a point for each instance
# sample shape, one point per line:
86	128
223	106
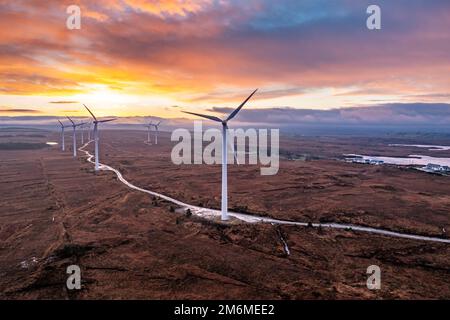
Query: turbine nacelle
96	121
223	121
155	125
62	125
74	125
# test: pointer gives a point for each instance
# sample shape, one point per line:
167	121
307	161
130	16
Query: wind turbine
87	126
149	128
89	131
74	126
63	147
156	125
224	151
96	122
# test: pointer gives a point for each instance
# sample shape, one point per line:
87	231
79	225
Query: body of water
413	159
426	146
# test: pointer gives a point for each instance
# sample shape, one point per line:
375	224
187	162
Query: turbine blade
213	118
90	112
60	123
107	120
235	112
70	120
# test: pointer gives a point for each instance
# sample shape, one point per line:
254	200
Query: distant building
431	167
376	162
359	159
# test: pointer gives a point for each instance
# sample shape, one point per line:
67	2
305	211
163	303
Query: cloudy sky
157	57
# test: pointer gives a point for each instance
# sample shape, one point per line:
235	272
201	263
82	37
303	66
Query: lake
413	159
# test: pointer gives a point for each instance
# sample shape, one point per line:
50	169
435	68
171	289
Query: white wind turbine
224	151
88	126
85	126
149	128
96	137
156	125
74	126
63	147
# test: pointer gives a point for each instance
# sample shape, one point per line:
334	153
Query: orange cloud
212	51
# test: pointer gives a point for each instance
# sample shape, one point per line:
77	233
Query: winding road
212	213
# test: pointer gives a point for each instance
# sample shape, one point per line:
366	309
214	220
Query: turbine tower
74	126
224	151
156	125
63	147
89	131
82	134
96	137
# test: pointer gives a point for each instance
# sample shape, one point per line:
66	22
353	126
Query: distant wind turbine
156	125
82	134
87	128
149	128
224	151
89	131
96	137
74	126
63	147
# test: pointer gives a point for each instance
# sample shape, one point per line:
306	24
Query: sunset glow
139	57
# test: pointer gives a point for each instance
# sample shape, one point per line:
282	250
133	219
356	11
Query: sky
139	58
